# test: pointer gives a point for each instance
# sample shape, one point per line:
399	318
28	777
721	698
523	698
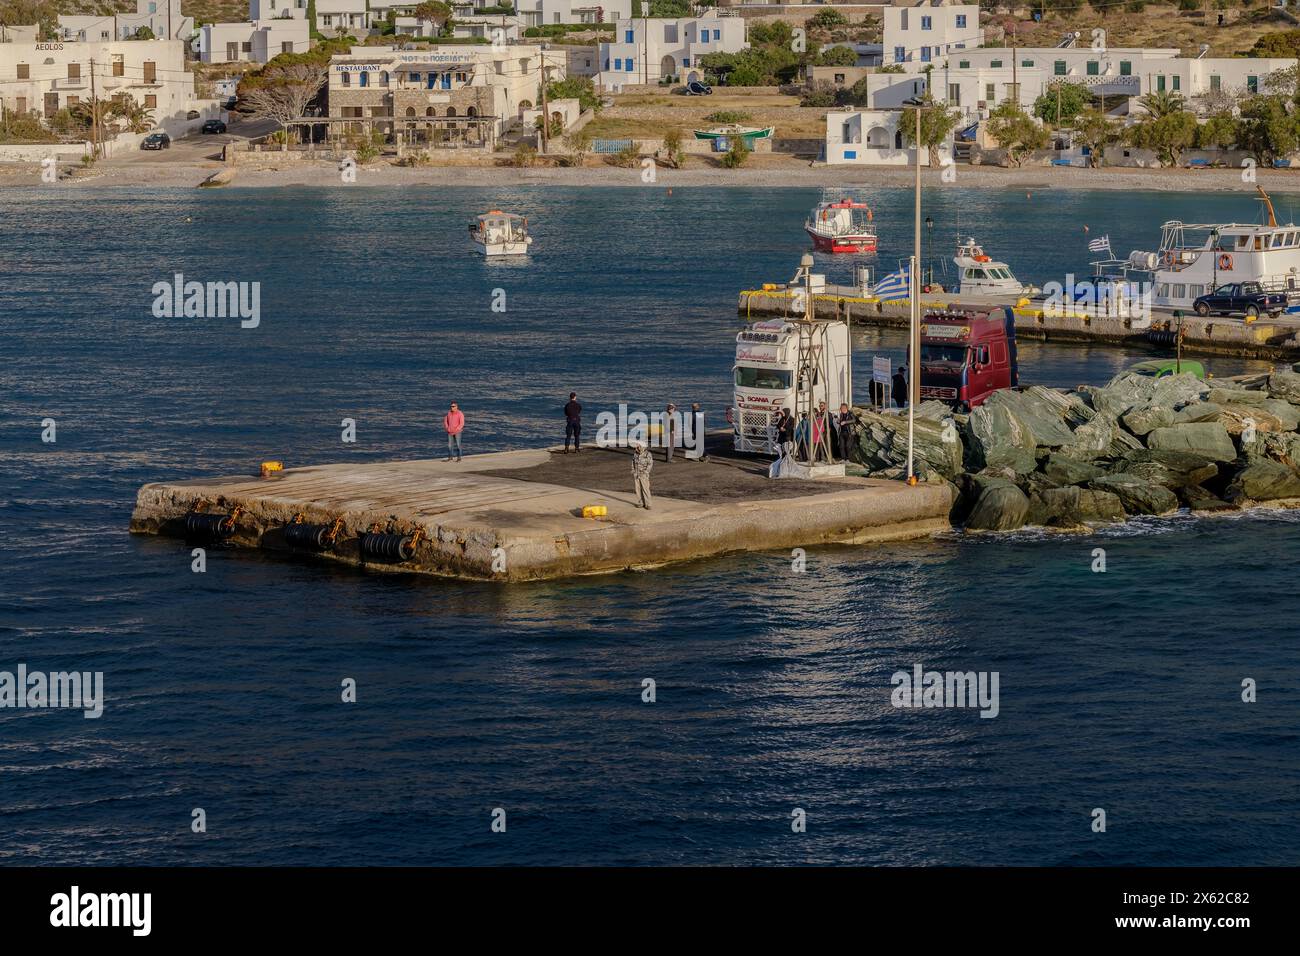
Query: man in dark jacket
573	424
900	388
845	425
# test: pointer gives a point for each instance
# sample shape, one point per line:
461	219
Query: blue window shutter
850	154
628	37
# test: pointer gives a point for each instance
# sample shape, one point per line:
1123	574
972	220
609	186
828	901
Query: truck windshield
943	353
749	377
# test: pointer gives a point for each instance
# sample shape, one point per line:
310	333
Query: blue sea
1119	691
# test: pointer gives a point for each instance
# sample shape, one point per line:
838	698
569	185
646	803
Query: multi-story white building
925	30
447	89
43	78
257	41
336	17
277	9
163	18
648	50
537	13
871	138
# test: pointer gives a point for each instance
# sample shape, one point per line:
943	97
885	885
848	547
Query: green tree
673	148
1268	130
825	19
1016	132
433	12
1168	135
1284	43
1095	131
937	124
837	56
579	88
1219	131
1061	102
736	154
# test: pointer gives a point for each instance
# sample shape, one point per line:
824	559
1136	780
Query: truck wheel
1252	312
1202	309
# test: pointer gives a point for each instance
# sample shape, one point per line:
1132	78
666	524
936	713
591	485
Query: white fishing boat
500	233
980	274
1195	258
841	223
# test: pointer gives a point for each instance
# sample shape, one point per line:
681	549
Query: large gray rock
1249	418
1099	438
1281	446
1284	412
1064	470
1207	439
1039	416
1142	421
1074	506
998	437
1138	391
1138	497
1263	480
1236	396
1198	499
1197	412
1102	399
1171	469
1285	385
882	443
1001	506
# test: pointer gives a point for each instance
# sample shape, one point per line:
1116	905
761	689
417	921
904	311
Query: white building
536	13
257	41
43	78
277	9
871	138
162	17
446	84
925	30
646	51
336	17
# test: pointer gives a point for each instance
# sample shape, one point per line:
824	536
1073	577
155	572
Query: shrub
627	157
525	155
819	94
728	116
736	155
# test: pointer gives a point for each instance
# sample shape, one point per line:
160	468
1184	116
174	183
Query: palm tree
93	114
1161	103
137	118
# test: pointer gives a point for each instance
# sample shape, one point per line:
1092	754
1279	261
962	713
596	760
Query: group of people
827	436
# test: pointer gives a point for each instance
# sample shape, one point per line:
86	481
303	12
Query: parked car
213	126
1241	297
156	141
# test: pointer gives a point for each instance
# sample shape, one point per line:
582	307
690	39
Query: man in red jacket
454	422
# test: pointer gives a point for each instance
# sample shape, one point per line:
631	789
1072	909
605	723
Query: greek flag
1100	245
893	286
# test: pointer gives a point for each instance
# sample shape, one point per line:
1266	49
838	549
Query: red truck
967	353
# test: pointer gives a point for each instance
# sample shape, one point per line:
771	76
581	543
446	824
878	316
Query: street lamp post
1214	251
914	295
929	252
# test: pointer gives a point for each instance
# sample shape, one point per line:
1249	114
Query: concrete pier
1264	338
517	516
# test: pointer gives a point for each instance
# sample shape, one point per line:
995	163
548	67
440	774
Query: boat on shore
500	233
734	131
841	223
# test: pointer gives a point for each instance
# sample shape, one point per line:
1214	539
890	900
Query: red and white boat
841	224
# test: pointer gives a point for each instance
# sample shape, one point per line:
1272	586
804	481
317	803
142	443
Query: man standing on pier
900	387
573	424
454	422
641	465
845	424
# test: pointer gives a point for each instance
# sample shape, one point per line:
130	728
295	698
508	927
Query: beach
767	171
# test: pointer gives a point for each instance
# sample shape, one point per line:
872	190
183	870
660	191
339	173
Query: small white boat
980	274
501	233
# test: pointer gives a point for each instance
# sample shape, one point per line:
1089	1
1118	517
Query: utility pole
546	113
645	43
914	325
94	113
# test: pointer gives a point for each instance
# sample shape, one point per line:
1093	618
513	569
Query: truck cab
967	353
767	379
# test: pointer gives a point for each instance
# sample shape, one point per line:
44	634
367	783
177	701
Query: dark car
213	126
156	141
1247	298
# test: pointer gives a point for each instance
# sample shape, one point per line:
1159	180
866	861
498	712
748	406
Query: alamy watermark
922	688
1100	298
655	430
208	300
21	688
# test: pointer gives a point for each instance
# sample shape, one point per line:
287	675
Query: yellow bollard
594	511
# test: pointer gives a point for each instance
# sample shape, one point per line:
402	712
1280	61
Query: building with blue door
655	50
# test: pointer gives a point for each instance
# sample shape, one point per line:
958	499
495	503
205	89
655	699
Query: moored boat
500	233
841	224
980	274
747	133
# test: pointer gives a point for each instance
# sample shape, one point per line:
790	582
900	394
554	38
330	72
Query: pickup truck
1244	297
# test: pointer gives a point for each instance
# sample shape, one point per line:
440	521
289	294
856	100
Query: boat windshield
749	377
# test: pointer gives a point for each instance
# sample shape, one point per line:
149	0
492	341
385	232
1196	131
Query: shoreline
797	174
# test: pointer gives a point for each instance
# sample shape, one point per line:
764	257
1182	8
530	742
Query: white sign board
880	369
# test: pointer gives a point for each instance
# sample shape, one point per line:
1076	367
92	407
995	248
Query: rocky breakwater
1096	454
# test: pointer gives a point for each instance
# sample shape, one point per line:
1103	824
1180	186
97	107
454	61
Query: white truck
783	364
